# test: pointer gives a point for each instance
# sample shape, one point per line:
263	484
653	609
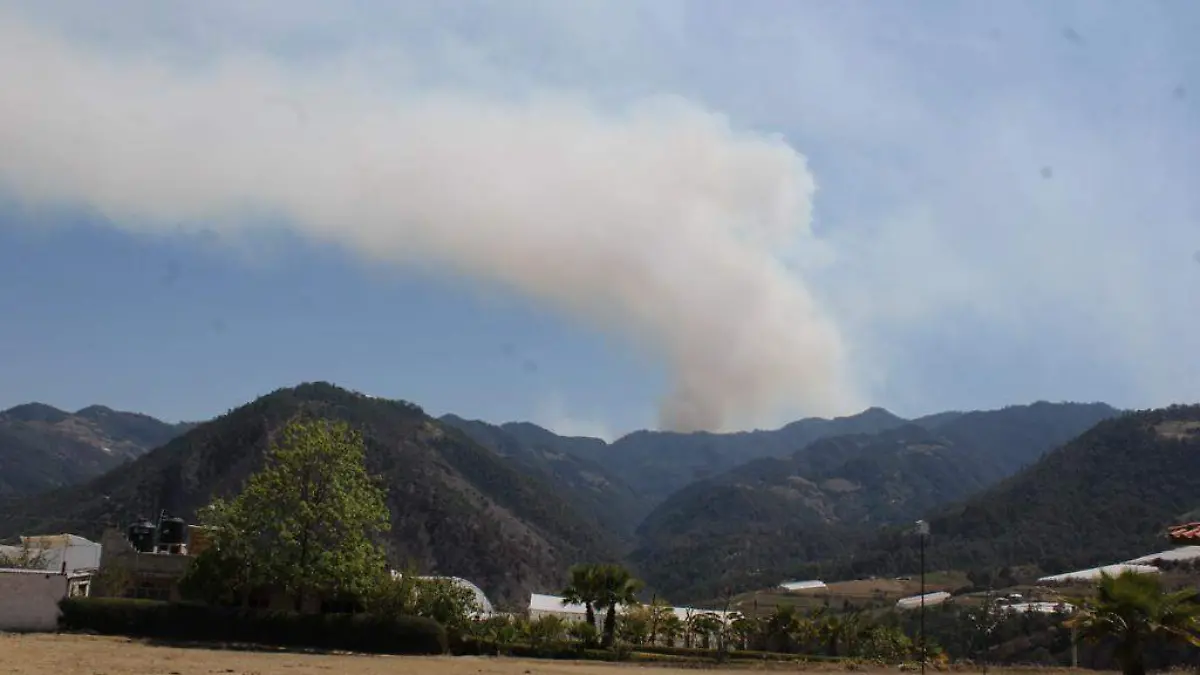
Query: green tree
583	588
704	625
306	522
617	586
1131	609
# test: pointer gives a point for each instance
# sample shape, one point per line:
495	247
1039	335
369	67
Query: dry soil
46	654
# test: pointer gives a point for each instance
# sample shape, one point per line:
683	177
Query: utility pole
922	533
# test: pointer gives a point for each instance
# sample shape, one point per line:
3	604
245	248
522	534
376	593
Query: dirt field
87	655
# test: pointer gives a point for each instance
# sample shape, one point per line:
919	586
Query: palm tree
584	589
617	586
1132	609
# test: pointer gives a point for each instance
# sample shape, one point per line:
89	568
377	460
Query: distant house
29	598
1185	534
149	574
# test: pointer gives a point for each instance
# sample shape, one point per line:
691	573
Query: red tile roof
1187	533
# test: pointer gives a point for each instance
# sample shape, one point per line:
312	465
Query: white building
29	598
481	598
553	605
1094	574
1179	554
914	602
56	550
812	585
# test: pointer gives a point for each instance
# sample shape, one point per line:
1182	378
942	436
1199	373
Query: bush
185	621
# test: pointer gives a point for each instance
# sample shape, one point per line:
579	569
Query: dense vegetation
595	492
192	622
1104	497
775	518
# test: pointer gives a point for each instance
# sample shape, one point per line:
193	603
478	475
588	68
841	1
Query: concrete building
29	598
153	576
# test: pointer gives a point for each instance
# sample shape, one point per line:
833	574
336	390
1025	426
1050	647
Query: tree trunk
610	625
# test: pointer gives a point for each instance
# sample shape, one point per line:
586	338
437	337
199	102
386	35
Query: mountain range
42	447
511	506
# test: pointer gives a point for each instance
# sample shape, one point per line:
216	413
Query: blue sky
600	215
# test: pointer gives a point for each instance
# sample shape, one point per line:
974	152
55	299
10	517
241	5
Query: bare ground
93	655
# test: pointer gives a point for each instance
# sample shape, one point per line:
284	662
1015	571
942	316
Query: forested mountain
591	489
457	508
1104	497
760	522
657	463
42	447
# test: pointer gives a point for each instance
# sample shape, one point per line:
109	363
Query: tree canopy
306	523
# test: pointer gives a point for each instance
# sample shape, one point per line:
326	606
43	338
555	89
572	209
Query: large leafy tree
306	522
1130	610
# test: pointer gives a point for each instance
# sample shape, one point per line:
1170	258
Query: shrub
184	621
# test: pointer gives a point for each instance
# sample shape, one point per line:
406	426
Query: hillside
657	463
1104	497
457	508
592	490
42	447
760	522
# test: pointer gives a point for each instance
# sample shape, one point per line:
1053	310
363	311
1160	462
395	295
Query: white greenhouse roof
480	597
539	602
1175	554
914	601
802	585
1039	607
1095	573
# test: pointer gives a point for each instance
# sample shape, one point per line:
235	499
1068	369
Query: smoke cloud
656	222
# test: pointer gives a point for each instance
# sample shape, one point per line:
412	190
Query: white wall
29	600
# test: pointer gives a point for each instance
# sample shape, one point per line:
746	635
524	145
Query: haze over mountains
513	505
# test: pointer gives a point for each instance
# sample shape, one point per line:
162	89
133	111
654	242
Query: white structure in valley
812	585
554	605
481	598
1095	573
914	602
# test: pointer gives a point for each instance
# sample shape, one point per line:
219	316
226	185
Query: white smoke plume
657	222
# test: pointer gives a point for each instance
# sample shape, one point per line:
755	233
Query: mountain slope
751	524
457	508
765	519
593	492
42	447
657	463
1104	497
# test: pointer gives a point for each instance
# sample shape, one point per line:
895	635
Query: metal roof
1175	554
1096	572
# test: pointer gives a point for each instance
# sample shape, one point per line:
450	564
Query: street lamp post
922	533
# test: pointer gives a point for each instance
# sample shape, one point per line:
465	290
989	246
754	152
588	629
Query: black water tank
172	532
141	535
